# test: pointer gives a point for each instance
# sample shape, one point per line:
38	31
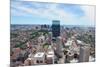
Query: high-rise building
45	27
84	54
56	28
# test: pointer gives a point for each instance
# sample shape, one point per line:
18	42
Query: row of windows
39	61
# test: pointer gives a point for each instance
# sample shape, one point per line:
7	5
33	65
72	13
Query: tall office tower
56	28
84	54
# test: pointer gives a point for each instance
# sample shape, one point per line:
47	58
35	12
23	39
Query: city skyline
43	13
49	33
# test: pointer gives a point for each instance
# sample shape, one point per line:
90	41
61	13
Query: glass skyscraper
56	28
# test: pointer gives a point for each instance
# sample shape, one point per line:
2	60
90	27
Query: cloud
52	11
89	14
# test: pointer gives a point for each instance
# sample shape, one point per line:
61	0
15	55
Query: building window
37	61
41	61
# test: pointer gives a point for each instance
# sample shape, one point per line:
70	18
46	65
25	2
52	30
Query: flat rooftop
39	54
50	54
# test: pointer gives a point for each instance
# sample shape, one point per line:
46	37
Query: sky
30	12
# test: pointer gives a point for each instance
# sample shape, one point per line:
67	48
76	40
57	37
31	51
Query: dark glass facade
56	28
